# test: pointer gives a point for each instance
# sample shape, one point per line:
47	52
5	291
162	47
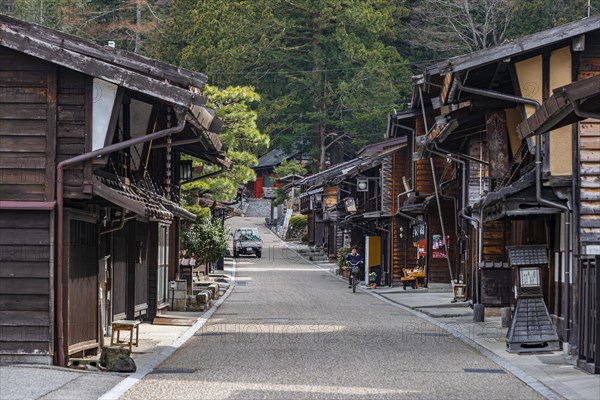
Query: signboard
422	248
350	204
529	276
185	273
439	249
497	144
418	232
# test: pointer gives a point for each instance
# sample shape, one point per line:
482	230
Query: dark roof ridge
121	58
520	45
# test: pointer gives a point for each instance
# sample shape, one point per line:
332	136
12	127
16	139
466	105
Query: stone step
258	208
208	286
435	287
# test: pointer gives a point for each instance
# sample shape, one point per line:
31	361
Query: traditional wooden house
424	204
319	200
350	204
578	104
514	186
90	144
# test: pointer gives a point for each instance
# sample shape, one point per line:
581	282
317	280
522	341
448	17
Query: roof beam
99	69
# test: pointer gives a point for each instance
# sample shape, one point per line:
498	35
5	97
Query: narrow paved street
292	330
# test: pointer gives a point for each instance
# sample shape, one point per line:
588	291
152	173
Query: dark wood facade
335	224
28	111
26	286
80	283
417	217
475	107
113	205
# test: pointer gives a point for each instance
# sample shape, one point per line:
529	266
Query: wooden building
320	200
90	144
265	175
266	180
498	181
579	103
350	202
416	208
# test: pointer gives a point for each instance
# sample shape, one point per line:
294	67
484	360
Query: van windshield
249	235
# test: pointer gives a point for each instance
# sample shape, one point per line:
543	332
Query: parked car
247	241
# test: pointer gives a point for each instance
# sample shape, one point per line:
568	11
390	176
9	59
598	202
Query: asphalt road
291	330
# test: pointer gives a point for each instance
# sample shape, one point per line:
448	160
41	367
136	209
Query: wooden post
506	316
478	313
132	252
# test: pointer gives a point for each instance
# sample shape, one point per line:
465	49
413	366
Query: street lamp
362	185
185	170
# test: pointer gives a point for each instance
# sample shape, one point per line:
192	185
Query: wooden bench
413	276
125	325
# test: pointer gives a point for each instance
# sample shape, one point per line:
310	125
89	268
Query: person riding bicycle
352	258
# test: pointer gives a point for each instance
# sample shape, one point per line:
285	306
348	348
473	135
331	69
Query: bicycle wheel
353	283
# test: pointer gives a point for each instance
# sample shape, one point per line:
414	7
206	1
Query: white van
247	241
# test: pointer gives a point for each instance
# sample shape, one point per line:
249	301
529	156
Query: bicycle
354	271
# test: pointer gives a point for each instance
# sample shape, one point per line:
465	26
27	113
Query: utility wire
333	112
297	72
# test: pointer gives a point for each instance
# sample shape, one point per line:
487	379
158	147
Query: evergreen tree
327	71
532	16
235	106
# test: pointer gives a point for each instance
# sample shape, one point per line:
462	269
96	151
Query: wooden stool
125	325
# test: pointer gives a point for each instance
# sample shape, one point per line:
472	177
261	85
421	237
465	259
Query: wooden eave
134	199
177	210
382	148
354	171
23	41
560	108
517	200
520	46
204	145
125	59
397	123
197	141
321	177
401	116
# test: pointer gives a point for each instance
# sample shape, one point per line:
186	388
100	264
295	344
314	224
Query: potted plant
372	279
341	259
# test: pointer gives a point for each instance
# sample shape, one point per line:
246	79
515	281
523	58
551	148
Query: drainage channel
484	371
172	371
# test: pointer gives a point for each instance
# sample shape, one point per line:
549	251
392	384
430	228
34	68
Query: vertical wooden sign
497	136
